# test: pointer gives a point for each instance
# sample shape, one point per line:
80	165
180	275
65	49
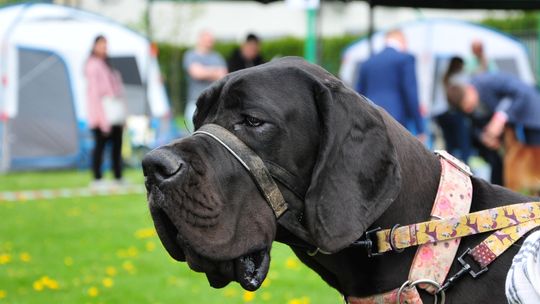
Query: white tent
434	42
42	94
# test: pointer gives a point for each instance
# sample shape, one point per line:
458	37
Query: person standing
389	80
203	66
247	55
103	83
479	63
455	127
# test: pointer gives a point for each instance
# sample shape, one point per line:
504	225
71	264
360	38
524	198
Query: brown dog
521	164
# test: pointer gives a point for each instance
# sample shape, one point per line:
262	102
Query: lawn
105	250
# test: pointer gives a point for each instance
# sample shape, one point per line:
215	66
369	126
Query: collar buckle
369	241
454	161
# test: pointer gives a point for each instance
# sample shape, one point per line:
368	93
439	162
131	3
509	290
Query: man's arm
360	81
202	72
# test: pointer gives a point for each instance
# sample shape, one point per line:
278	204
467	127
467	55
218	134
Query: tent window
507	65
45	125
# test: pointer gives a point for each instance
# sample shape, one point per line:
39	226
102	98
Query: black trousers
101	140
494	159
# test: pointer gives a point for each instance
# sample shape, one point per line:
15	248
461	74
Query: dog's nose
161	164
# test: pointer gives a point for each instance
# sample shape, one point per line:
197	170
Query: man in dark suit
389	80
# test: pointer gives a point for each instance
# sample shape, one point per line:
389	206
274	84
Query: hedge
170	60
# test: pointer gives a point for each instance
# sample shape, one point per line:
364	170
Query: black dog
360	167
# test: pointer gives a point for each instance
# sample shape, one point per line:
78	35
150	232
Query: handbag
115	110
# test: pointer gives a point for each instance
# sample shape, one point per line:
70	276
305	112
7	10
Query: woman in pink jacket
103	82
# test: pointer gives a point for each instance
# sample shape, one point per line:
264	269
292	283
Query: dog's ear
357	175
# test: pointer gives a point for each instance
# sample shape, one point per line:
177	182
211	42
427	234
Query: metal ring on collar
409	284
391	238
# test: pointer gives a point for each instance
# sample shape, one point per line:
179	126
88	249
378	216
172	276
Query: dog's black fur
363	169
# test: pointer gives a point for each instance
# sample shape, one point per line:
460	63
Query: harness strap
456	227
499	241
454	196
251	162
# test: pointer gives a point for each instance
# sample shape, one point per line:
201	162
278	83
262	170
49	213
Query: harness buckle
369	242
454	161
466	269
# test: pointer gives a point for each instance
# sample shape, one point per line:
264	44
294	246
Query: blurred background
63	240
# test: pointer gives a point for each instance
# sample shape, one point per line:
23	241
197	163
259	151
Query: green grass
67	250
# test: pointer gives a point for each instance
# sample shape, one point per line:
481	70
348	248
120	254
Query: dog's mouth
249	269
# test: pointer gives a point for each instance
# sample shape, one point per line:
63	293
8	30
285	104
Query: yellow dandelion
128	266
111	271
145	233
52	284
266	296
107	282
150	246
38	285
25	257
292	263
132	251
4	258
68	261
93	291
248	296
230	292
3	294
49	283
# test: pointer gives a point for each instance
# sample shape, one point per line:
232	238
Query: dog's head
208	211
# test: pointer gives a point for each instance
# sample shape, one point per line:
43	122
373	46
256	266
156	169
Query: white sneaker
121	182
99	184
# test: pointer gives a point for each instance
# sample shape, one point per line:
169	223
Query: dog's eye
252	121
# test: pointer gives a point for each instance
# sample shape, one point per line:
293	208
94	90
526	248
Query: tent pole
310	44
319	48
148	19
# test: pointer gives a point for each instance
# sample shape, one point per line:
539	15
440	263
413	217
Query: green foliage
170	60
8	2
516	21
